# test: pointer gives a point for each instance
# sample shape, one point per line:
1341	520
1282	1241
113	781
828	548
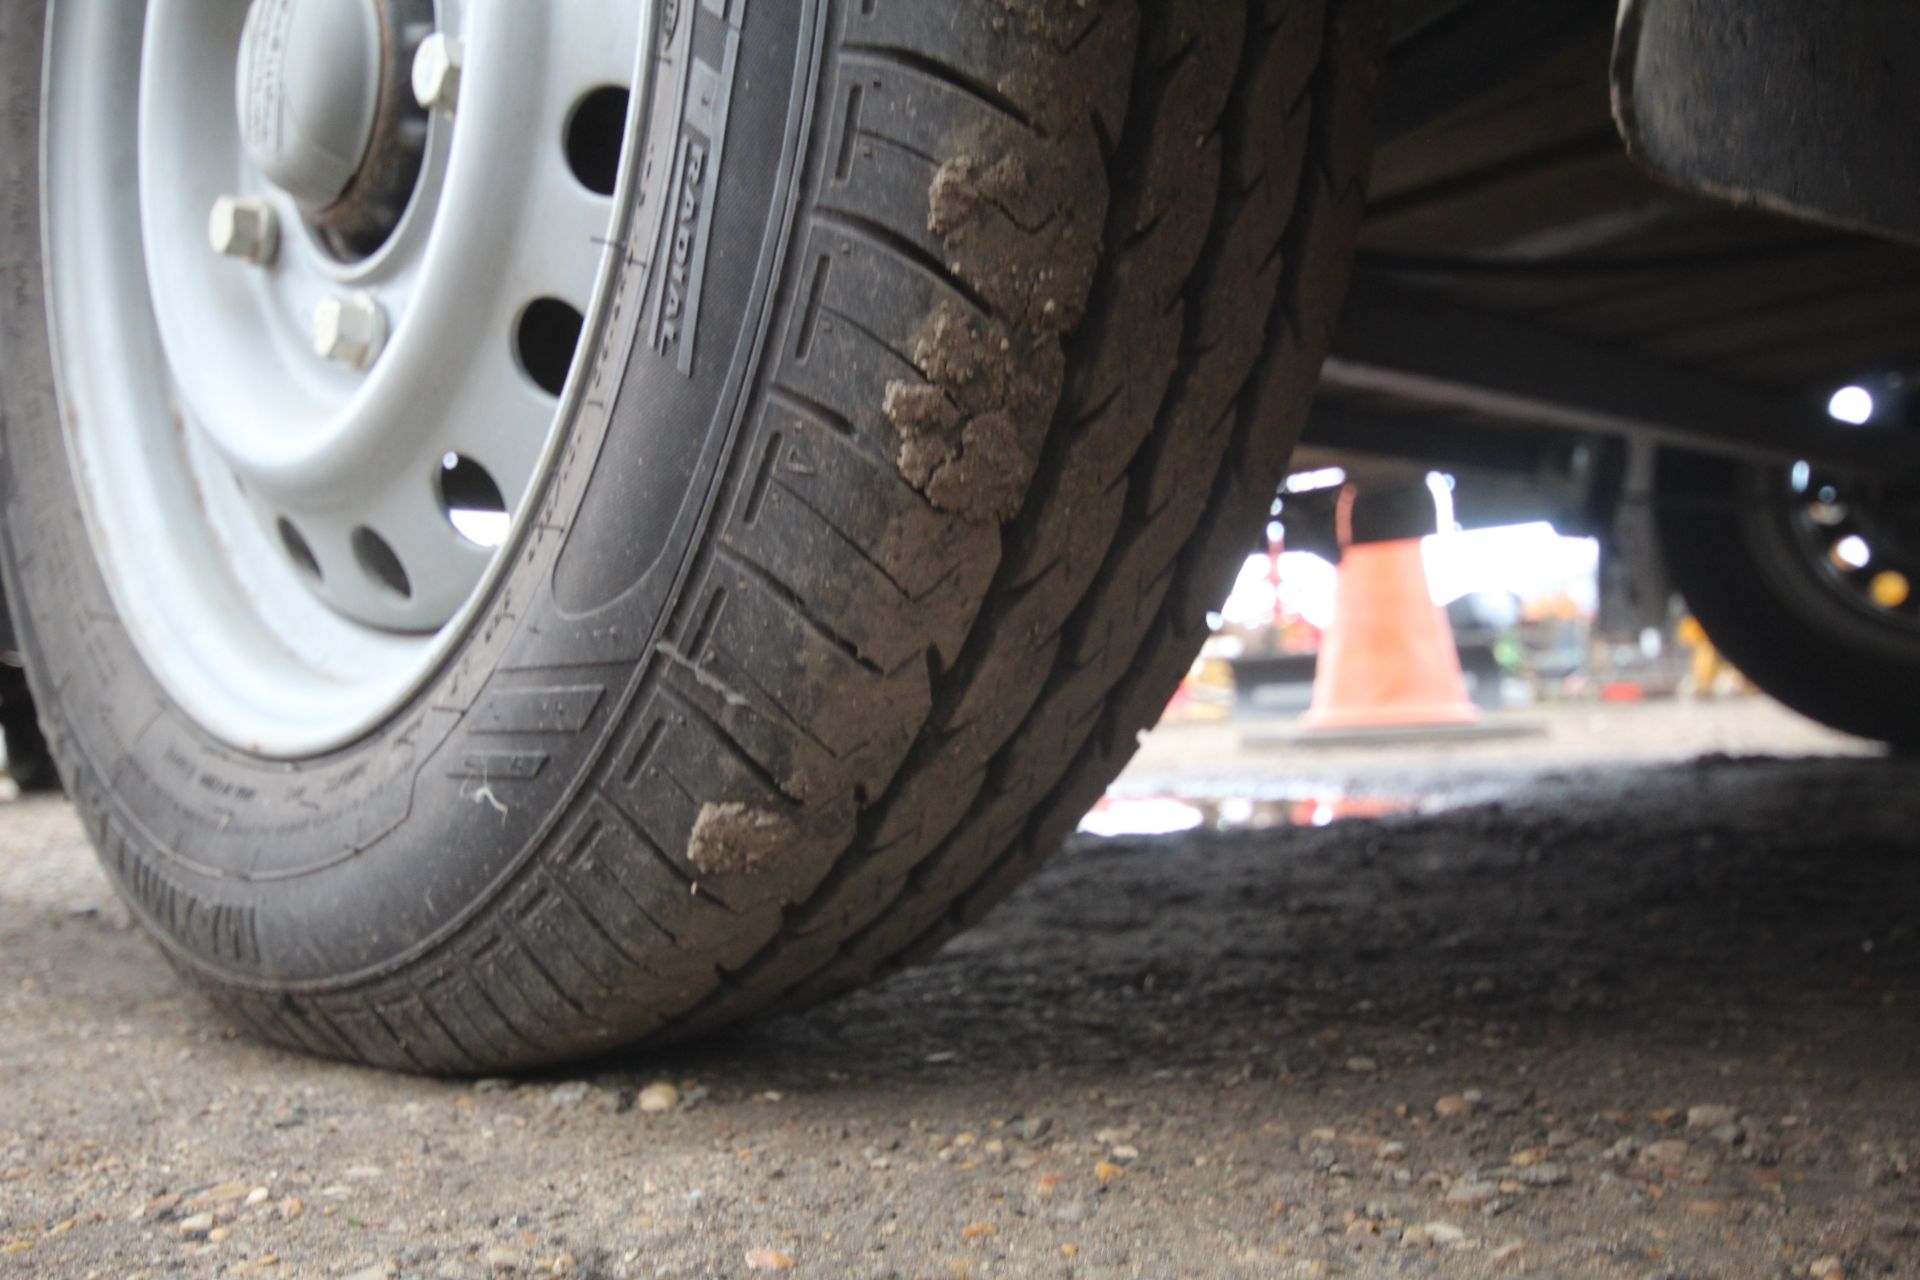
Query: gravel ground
1646	1021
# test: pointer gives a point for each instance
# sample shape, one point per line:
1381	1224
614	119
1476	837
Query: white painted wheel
314	335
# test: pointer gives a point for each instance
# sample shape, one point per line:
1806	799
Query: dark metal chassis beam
1341	428
1426	351
1507	476
1472	50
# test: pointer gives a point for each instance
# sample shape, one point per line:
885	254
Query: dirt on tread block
1006	208
970	434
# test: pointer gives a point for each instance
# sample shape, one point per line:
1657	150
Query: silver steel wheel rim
248	496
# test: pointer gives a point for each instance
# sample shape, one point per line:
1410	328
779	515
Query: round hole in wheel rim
595	136
546	338
1852	552
200	415
472	501
1890	589
297	547
381	562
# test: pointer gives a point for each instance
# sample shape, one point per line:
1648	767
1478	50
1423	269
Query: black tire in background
29	763
1764	600
817	642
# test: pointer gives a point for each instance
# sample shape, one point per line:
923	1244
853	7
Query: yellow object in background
1889	590
1710	673
1206	694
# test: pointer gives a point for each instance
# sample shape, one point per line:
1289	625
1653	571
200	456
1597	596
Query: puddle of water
1171	813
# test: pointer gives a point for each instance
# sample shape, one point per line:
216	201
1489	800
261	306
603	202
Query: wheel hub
308	84
325	113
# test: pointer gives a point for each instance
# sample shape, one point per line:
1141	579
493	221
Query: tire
1040	297
1773	610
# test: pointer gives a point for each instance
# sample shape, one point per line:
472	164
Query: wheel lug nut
350	330
436	71
244	227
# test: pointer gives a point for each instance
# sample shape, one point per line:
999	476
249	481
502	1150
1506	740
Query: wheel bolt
244	227
350	330
436	71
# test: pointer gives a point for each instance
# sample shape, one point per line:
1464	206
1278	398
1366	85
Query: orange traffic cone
1388	661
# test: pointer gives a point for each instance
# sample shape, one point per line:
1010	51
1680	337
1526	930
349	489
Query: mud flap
1804	109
